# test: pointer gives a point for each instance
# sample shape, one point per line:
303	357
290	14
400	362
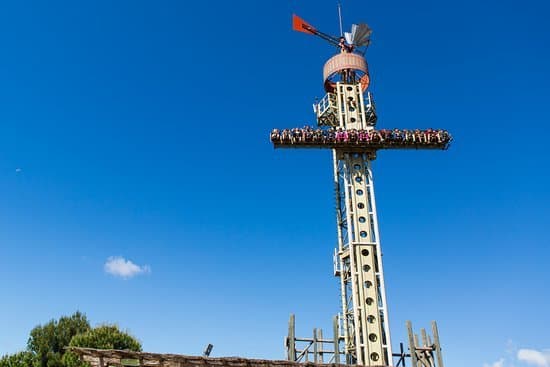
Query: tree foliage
21	359
101	337
106	337
47	343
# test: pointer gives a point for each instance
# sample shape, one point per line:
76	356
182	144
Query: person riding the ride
296	135
397	136
406	135
375	136
307	134
318	136
430	136
352	136
363	136
341	135
443	136
285	136
416	136
274	136
331	136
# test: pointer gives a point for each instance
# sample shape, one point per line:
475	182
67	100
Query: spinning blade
359	35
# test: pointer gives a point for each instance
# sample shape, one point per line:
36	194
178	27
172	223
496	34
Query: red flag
300	25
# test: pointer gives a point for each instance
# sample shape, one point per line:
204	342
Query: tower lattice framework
358	261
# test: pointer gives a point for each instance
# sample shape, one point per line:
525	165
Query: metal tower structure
346	120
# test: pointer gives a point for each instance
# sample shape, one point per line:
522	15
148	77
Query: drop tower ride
346	121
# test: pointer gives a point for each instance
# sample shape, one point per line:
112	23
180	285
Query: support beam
291	339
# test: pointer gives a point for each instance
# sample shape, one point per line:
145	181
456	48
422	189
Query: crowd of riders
308	135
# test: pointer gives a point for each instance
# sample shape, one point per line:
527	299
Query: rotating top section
346	67
349	66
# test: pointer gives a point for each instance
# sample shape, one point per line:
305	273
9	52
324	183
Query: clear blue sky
139	129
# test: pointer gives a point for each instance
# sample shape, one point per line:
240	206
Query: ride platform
361	141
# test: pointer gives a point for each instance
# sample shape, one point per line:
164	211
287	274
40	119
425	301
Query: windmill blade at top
359	35
300	25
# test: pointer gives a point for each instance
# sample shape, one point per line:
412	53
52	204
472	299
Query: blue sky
139	130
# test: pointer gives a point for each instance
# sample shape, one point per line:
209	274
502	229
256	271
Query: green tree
47	342
101	337
106	337
21	359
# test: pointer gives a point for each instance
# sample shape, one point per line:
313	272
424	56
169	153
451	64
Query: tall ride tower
346	120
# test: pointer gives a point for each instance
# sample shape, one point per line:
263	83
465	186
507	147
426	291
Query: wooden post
424	337
320	340
291	339
315	347
437	345
412	345
336	331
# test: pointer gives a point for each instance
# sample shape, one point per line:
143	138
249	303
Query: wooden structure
125	358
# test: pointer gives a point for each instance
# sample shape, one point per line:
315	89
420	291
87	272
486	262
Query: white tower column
365	318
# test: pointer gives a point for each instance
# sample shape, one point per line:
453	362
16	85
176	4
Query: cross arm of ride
308	137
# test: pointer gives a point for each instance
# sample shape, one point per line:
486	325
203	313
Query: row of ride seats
396	136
